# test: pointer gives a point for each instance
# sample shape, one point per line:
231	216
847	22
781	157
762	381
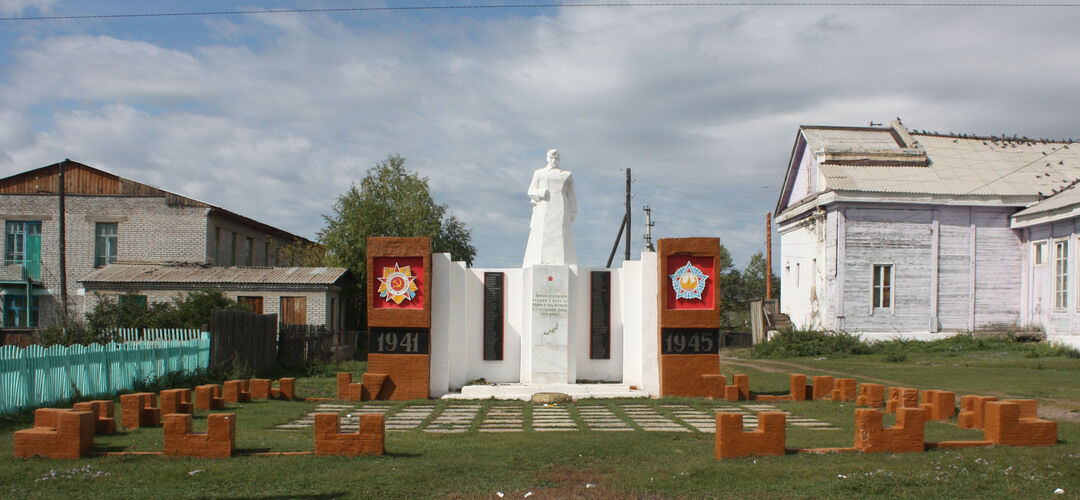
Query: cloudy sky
273	115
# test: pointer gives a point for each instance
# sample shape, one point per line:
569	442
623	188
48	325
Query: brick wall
148	230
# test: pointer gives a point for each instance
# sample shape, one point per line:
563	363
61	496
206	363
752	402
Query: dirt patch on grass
569	483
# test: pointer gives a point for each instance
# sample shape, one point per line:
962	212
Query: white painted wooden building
887	232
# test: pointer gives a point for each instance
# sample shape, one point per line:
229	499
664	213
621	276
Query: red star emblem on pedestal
551	278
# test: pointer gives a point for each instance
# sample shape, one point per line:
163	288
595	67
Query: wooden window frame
1061	276
1039	253
10	253
102	259
876	298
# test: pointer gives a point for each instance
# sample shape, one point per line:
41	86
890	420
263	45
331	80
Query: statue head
553	158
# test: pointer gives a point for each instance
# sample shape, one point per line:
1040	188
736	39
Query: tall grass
795	343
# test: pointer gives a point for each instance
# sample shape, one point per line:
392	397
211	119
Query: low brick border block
208	397
219	440
286	389
176	401
104	421
57	433
236	391
139	410
906	436
871	395
768	440
367	440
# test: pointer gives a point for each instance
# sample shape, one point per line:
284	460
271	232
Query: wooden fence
248	338
36	376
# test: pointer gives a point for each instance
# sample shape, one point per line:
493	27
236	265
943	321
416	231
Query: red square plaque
398	283
690	282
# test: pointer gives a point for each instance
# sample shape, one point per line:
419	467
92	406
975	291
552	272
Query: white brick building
108	219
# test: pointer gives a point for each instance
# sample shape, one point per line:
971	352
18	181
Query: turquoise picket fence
36	376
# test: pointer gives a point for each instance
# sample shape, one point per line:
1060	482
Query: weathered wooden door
294	310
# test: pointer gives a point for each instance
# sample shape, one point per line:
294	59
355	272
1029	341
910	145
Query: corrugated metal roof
1064	199
958	166
856	138
195	273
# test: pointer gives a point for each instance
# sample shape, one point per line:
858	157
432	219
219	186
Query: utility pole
648	229
768	255
624	227
63	250
628	213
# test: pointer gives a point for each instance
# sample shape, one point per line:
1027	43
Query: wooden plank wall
248	338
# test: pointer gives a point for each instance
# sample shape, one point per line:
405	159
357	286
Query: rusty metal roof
215	275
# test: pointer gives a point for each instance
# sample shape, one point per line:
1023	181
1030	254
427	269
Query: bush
132	311
70	333
792	343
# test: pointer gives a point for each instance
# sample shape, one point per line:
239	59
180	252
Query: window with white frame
883	286
1038	253
1061	274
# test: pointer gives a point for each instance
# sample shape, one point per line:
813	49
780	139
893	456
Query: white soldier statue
551	239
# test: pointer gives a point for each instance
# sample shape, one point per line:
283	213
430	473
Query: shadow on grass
339	494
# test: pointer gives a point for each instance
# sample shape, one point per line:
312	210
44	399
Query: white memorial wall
545	326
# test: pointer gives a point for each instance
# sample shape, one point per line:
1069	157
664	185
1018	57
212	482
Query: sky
274	115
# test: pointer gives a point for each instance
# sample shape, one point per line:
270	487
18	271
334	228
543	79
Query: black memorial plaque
689	341
493	316
398	340
600	315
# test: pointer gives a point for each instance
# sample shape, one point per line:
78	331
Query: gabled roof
893	161
156	275
81	179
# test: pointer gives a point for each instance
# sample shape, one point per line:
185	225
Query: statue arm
536	193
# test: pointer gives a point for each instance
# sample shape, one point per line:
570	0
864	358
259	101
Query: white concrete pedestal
546	352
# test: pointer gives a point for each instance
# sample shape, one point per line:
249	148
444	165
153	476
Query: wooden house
887	232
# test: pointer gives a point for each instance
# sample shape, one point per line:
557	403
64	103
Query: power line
542	6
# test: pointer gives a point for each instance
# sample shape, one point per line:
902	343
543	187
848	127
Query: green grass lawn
564	464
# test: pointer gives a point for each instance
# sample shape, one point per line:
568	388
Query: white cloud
11	7
273	116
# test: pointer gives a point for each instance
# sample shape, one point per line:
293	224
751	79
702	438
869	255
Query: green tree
389	201
753	280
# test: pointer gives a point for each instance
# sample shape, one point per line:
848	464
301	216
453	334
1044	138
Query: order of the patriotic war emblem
688	282
397	284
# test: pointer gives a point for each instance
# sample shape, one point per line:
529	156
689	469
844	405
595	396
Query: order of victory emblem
397	284
688	282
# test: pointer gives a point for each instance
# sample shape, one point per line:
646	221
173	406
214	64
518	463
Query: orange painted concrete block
1006	425
1029	408
731	393
139	410
732	441
104	419
906	436
823	386
901	397
799	389
70	434
367	440
973	411
844	389
871	395
343	381
714	385
208	397
742	381
286	389
219	440
236	391
176	401
259	388
373	384
940	404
